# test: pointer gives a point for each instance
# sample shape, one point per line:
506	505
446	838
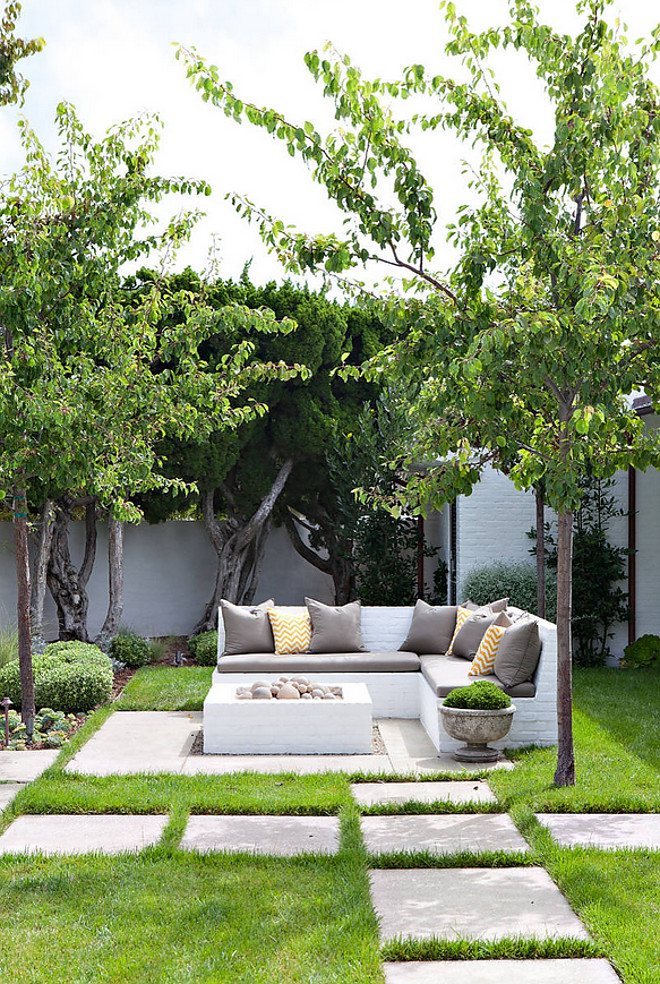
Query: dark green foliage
51	728
204	647
517	582
644	651
599	602
131	649
480	696
68	680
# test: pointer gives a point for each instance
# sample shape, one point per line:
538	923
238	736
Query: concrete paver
78	834
282	836
25	766
398	793
605	830
442	834
501	972
7	792
472	903
138	741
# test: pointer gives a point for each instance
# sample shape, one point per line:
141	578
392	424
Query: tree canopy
526	352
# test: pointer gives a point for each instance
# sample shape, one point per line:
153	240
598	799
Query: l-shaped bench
405	685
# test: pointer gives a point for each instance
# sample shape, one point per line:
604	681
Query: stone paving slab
501	972
7	792
282	836
604	830
138	741
411	750
398	793
79	834
471	903
442	834
27	765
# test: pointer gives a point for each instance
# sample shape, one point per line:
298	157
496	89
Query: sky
114	59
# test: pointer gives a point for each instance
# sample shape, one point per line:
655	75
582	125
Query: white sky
114	59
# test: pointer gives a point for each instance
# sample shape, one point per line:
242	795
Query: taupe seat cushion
315	663
445	673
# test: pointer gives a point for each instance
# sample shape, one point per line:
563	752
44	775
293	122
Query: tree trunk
336	565
565	774
28	710
540	552
115	581
41	561
66	584
239	547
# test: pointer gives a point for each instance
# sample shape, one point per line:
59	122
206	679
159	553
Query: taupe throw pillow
518	653
247	630
335	628
473	630
431	629
500	605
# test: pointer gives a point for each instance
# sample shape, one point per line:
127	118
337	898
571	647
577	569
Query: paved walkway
502	972
604	830
162	741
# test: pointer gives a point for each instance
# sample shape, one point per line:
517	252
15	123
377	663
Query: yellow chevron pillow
484	659
292	630
462	615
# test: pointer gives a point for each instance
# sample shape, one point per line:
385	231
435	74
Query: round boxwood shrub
644	651
480	696
67	680
204	647
131	649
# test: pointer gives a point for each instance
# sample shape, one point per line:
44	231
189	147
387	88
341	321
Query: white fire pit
233	726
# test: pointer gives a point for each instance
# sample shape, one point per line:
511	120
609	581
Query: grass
166	688
8	644
171	916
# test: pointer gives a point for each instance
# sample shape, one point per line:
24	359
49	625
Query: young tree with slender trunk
530	347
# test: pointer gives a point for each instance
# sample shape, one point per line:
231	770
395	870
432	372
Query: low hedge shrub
204	647
480	696
69	680
131	649
644	651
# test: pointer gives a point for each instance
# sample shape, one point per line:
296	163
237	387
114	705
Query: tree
250	480
89	383
13	50
549	319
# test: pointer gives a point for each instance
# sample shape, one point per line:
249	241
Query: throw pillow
518	653
485	657
247	629
335	628
431	629
462	615
292	630
472	632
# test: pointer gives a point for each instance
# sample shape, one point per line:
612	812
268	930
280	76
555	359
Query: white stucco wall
169	572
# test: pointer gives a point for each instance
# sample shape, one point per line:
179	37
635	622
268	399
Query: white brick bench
407	694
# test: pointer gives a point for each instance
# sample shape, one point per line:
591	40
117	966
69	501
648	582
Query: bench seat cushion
445	673
314	663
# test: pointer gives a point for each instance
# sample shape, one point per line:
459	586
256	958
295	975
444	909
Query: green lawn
169	916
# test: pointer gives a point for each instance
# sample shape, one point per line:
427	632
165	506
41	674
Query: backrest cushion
292	629
335	628
431	630
483	662
472	631
247	629
518	653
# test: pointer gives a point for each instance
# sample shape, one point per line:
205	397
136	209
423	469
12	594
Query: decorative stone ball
305	696
329	697
242	690
261	693
283	679
317	692
260	683
246	695
274	690
300	679
289	692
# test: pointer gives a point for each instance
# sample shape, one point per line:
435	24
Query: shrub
644	651
480	696
131	649
204	647
76	651
51	728
68	680
515	581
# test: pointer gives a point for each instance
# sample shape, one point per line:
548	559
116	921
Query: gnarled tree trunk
40	572
338	562
68	585
239	547
115	581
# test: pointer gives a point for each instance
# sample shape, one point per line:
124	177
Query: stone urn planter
476	728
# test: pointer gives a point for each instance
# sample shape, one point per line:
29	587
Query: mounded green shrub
131	649
480	696
644	651
204	647
515	581
76	651
68	680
